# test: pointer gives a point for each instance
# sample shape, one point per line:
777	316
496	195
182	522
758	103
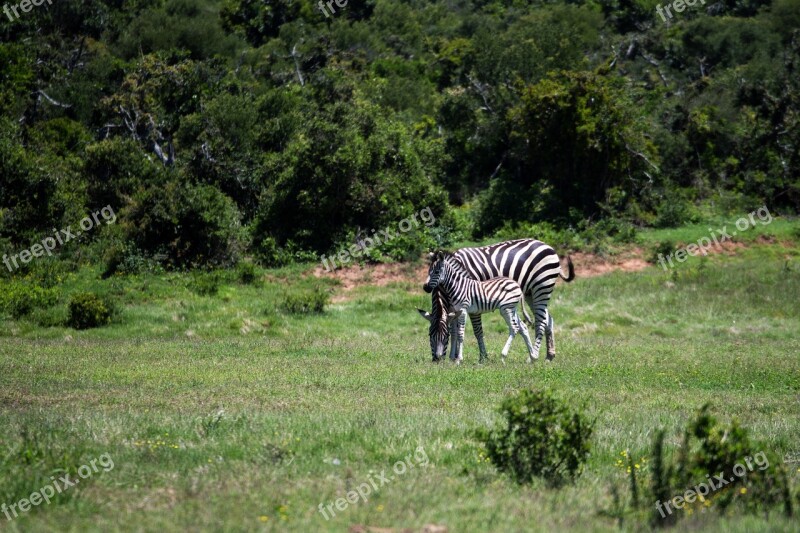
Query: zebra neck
457	286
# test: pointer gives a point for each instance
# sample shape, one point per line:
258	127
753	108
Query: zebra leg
509	316
477	329
462	323
523	329
551	341
453	328
539	322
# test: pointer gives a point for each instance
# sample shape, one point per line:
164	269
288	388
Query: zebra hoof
550	356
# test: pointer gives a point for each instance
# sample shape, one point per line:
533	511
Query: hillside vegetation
216	130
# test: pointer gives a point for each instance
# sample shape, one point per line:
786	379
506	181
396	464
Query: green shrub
19	299
674	211
247	274
306	301
662	249
756	482
125	258
89	310
542	438
205	283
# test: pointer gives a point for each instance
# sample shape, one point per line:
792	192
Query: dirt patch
379	275
589	265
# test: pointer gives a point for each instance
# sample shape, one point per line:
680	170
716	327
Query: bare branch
51	100
295	55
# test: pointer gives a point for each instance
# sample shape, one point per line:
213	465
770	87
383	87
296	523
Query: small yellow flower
636	465
263	518
379	508
743	490
707	503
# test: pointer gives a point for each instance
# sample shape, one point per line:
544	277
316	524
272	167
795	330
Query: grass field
224	413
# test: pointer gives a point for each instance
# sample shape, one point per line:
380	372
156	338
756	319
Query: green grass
221	410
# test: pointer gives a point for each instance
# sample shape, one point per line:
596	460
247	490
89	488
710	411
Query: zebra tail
570	271
524	312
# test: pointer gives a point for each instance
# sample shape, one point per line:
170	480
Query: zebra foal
469	296
442	323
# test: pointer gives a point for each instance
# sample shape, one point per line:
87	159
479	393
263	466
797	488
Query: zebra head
436	271
439	330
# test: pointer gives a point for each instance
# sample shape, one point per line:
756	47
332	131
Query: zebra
531	263
468	295
442	321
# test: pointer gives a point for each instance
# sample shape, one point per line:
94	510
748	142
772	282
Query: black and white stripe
469	296
534	265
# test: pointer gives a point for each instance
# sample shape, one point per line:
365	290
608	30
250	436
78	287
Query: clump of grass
305	301
206	283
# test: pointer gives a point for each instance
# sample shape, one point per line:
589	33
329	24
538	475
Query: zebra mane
440	304
453	261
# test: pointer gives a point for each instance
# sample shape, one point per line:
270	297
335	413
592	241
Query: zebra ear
424	314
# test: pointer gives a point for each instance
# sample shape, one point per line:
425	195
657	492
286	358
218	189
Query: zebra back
531	263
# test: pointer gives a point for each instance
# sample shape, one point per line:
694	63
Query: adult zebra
531	263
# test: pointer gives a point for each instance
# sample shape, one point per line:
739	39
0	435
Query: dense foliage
221	128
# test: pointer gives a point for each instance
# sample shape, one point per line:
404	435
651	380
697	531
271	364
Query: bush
756	482
306	301
205	283
20	299
125	258
662	249
542	438
89	310
247	274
